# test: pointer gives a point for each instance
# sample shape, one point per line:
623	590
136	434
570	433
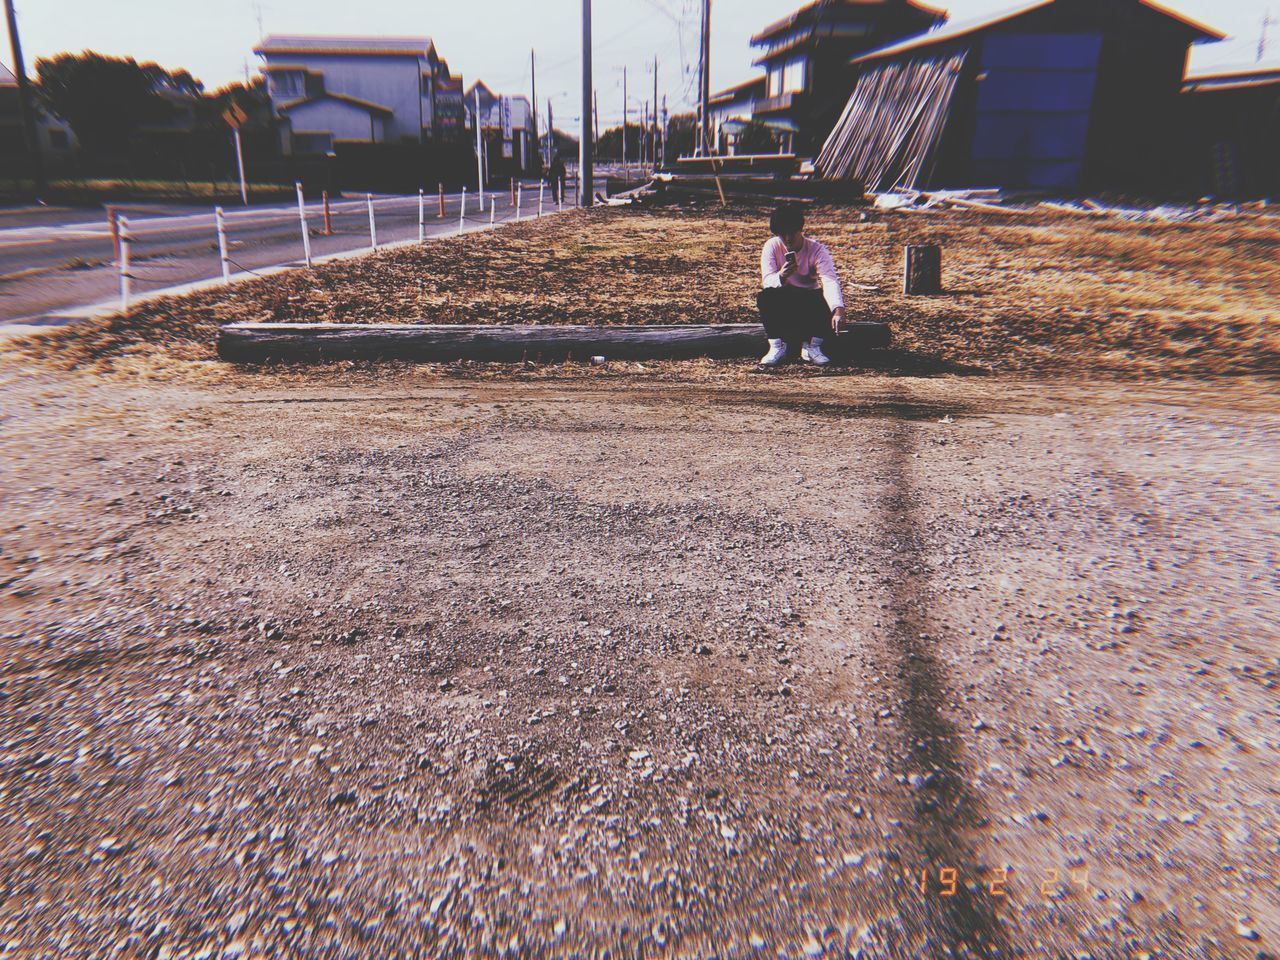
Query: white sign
504	114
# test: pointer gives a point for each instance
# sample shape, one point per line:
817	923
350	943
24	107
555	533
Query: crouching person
801	300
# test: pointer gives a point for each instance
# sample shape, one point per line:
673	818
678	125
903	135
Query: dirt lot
654	660
1031	292
390	666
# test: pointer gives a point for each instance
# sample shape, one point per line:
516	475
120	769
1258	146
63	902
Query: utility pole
624	122
644	134
654	151
25	104
479	151
595	112
666	128
1262	40
533	78
585	145
704	95
551	132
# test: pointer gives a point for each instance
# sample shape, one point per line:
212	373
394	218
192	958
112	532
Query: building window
793	76
288	85
787	77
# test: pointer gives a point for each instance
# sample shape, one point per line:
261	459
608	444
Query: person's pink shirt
814	269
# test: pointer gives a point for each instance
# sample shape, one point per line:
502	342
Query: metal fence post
462	213
302	221
222	244
113	219
440	188
124	265
519	198
422	215
493	211
373	227
542	189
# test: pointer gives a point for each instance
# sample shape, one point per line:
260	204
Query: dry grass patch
1042	292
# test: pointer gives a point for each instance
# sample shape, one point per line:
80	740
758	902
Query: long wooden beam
254	342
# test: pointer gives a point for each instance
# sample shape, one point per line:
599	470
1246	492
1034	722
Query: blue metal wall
1035	94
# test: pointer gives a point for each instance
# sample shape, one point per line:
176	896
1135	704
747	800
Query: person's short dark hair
786	218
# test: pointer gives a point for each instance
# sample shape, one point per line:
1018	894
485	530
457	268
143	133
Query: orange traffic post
328	222
440	187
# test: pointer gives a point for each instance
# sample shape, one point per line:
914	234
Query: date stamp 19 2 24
1000	882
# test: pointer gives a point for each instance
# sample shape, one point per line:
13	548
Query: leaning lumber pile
889	133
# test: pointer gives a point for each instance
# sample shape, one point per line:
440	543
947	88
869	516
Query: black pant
793	313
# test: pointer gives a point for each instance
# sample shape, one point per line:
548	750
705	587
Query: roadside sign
504	116
235	117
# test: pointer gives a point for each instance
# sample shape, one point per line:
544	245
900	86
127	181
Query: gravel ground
380	664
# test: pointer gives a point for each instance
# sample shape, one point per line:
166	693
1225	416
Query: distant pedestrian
556	175
801	300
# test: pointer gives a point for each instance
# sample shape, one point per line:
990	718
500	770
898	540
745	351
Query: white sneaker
812	351
777	353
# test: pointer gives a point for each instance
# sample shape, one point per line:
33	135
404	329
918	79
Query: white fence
329	229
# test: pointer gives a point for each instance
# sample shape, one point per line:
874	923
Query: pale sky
491	39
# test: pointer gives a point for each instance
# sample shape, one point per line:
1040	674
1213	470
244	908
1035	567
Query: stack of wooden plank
890	130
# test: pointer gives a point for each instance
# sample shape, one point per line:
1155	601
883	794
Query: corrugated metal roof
1237	71
356	46
962	28
1225	85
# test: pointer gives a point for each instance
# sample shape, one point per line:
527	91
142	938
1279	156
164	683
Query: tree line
110	102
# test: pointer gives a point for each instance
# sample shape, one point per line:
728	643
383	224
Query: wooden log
966	204
1093	211
254	342
922	269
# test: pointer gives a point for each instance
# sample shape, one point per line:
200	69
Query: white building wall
521	114
390	81
344	120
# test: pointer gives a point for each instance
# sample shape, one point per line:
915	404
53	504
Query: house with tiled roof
506	120
56	137
327	90
805	58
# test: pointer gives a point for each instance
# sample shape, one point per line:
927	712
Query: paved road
56	260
